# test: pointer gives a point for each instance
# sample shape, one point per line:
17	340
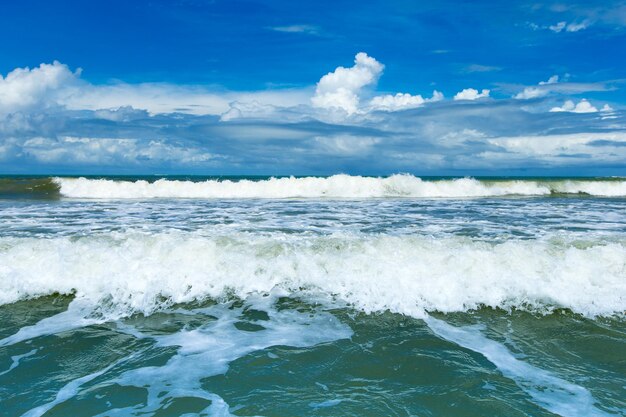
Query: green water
391	365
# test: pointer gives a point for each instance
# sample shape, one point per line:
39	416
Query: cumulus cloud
25	89
341	88
471	94
583	106
606	109
552	80
56	86
536	92
402	101
531	92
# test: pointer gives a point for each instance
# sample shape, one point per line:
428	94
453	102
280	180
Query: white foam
336	186
70	390
17	359
207	351
136	272
546	389
78	314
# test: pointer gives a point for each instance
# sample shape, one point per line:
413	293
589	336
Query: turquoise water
333	297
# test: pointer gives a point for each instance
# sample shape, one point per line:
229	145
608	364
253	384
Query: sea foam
138	272
336	186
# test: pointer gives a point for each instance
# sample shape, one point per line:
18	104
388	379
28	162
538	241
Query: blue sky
283	87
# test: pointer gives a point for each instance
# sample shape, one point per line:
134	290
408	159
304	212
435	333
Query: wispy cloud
555	85
481	68
569	27
307	29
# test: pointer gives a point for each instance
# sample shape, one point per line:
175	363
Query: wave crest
336	186
409	275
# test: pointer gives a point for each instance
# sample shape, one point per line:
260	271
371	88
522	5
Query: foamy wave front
336	186
137	272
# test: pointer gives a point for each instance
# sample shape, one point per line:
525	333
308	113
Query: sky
228	87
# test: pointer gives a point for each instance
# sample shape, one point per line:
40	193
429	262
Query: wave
135	272
336	186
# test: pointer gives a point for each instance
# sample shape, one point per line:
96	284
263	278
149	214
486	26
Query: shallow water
499	305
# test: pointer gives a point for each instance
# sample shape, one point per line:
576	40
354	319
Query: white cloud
606	109
575	27
346	145
569	27
551	146
121	114
55	85
158	98
153	97
536	92
583	106
340	89
531	92
607	112
481	68
343	89
25	89
552	80
471	94
456	138
248	109
557	27
402	101
109	151
309	29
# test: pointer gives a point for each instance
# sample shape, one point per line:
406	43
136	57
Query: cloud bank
52	120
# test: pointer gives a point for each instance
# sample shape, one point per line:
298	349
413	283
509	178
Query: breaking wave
336	186
139	272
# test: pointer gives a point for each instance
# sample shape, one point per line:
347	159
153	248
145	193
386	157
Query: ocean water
338	296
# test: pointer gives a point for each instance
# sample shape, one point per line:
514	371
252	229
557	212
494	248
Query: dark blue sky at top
230	43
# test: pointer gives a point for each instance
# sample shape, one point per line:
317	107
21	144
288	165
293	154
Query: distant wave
138	272
336	186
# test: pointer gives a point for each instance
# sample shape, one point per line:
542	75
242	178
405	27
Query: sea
312	296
